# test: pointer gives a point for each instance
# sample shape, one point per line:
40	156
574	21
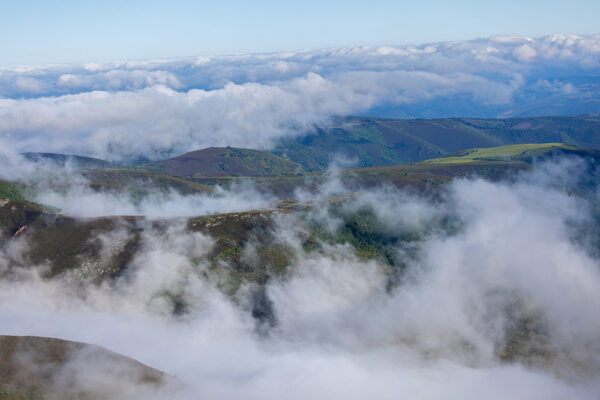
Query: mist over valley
344	222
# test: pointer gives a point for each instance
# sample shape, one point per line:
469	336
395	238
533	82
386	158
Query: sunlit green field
501	153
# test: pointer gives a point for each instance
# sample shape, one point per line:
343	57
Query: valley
379	218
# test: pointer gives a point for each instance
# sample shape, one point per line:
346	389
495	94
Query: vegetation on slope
68	160
381	142
31	368
225	161
66	241
11	191
515	152
141	183
365	142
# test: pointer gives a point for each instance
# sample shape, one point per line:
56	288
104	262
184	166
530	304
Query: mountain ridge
70	160
366	142
379	142
225	161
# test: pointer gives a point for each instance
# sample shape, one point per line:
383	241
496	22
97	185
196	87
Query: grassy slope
65	241
78	162
369	142
500	153
492	163
427	178
489	162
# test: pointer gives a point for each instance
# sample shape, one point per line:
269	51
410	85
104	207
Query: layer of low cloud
341	332
147	108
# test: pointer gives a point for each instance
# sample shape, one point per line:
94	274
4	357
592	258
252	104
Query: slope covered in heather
226	161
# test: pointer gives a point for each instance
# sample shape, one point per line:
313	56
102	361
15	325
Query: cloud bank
509	251
117	110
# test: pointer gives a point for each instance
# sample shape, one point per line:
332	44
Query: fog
67	189
489	256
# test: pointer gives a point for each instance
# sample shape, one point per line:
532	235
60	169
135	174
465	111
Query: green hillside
489	162
379	142
515	152
225	161
365	142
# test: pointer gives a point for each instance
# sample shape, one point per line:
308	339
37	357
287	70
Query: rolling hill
516	152
225	161
246	248
365	142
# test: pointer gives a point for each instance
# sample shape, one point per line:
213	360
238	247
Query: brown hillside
44	368
226	161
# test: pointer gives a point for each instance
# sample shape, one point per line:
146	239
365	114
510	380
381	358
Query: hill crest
226	161
69	160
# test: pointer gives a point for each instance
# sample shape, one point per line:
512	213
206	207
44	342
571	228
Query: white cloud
525	53
342	333
184	104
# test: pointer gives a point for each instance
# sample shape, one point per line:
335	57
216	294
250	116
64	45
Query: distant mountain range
246	252
66	240
372	142
363	142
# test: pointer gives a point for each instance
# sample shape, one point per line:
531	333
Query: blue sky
41	32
